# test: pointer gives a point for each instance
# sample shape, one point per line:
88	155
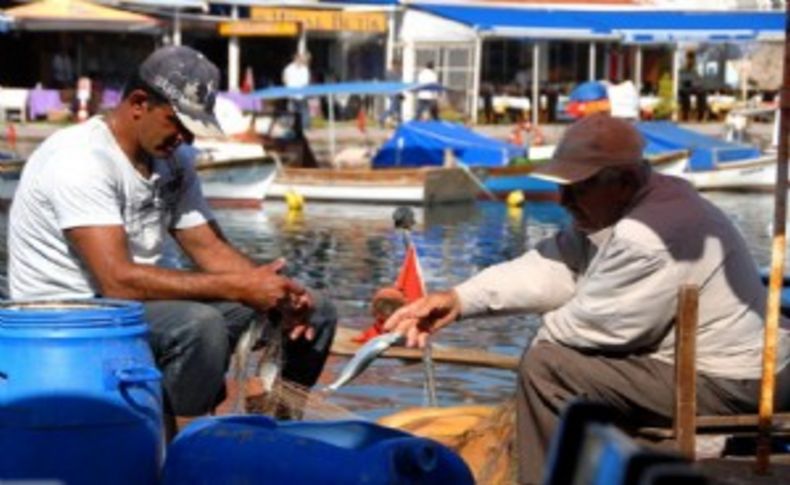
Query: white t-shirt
296	75
427	76
80	177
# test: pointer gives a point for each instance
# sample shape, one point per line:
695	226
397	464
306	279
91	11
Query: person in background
296	75
427	99
248	81
606	287
63	70
393	111
91	213
689	85
523	81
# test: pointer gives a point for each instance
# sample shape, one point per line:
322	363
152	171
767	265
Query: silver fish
364	357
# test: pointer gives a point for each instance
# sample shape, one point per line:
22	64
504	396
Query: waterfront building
531	53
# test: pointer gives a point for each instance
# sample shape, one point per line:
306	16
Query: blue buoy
80	397
257	449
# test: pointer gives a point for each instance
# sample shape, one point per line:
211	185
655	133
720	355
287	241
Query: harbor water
350	251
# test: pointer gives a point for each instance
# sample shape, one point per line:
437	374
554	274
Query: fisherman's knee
536	363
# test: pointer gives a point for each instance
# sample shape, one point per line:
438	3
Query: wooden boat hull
421	186
239	183
757	174
10	171
235	183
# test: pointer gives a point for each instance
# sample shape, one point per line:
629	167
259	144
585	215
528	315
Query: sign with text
256	28
326	20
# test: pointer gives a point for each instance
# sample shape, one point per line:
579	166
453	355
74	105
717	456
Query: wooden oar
451	355
768	386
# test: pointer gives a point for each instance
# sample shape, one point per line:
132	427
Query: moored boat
233	173
230	178
365	182
753	174
426	185
236	183
10	170
713	163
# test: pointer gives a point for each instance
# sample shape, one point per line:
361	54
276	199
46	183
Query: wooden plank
343	345
236	163
686	370
780	421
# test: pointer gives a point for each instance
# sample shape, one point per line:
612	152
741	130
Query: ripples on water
350	251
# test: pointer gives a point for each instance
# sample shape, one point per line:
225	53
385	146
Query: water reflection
351	250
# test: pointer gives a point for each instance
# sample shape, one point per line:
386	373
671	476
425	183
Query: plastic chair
13	100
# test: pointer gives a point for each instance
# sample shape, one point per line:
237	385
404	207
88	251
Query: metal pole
391	39
535	105
768	385
477	68
331	109
591	63
675	80
233	54
301	46
638	68
176	26
427	351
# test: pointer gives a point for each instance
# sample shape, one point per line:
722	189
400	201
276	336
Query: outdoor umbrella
77	15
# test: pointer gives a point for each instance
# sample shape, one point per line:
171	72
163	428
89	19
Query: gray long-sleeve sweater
616	290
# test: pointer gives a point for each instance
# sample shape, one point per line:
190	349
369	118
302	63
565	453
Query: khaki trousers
639	389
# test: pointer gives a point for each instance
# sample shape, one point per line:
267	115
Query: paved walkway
28	135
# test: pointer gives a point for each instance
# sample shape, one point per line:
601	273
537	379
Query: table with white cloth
503	104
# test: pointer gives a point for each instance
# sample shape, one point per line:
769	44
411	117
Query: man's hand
296	320
273	291
264	288
419	319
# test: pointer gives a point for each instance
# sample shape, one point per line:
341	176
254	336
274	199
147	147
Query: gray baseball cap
189	81
589	145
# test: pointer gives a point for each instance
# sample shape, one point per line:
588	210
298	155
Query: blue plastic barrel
80	397
257	449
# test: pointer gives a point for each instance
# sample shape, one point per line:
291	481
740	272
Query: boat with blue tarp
713	163
326	180
426	143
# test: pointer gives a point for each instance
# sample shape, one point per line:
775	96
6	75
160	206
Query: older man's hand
419	319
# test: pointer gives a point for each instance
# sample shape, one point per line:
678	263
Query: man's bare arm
207	247
104	251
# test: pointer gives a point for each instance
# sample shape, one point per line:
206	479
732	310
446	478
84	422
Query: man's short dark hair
429	64
135	82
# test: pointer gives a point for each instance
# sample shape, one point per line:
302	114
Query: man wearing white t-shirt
89	219
297	75
427	99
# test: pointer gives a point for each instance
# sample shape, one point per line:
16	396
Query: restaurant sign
257	28
326	20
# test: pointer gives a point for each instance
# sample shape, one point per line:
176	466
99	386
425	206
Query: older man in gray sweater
607	289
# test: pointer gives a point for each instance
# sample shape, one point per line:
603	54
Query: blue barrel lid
87	312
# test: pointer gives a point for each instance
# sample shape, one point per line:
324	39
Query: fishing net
256	386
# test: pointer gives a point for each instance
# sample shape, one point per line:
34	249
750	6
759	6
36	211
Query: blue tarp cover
344	88
588	91
422	143
706	151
